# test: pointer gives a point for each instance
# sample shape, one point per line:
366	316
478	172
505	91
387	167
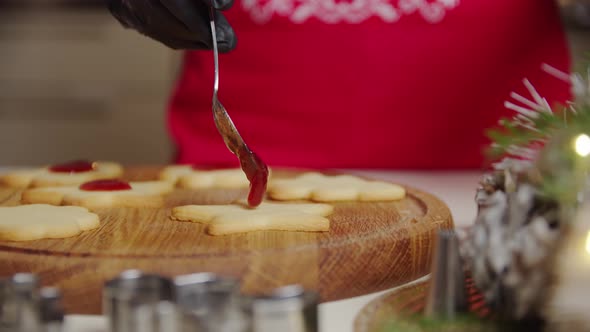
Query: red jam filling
76	166
257	173
105	185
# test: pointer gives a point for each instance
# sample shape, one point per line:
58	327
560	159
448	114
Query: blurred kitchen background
74	84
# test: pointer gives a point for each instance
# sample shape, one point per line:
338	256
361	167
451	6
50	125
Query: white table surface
456	189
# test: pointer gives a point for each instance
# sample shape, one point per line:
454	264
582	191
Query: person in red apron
353	83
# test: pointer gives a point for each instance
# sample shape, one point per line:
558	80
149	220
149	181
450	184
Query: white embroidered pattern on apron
347	11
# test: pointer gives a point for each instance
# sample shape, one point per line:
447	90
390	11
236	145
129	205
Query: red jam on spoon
75	166
257	173
255	169
105	185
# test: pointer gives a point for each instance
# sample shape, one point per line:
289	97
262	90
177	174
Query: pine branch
513	134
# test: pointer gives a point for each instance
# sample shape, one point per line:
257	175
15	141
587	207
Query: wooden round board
370	247
401	310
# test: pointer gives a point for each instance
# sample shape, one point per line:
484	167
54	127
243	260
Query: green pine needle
563	171
511	133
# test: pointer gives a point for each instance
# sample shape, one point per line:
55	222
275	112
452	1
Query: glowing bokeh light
582	145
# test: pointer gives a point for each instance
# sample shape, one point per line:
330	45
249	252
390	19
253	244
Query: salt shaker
19	300
131	301
51	310
208	303
287	309
4	319
168	317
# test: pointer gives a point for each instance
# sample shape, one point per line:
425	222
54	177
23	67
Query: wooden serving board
401	310
370	247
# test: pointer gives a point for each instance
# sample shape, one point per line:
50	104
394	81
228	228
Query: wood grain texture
370	247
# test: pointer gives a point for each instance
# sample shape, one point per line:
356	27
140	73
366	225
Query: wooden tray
401	310
370	247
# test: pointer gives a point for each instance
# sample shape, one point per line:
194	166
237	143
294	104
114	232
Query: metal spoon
255	169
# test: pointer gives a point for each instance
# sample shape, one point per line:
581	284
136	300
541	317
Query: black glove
179	24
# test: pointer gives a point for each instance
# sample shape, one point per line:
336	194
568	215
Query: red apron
368	83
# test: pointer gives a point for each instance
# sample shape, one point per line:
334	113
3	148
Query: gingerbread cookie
40	221
190	178
239	218
174	172
102	194
70	173
323	188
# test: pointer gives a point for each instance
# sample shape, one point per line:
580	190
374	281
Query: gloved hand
179	24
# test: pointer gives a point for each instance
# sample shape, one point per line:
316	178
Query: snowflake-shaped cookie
140	194
41	221
323	188
190	178
45	177
239	218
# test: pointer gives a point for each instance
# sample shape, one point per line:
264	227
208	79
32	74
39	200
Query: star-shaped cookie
139	194
325	188
41	221
46	177
188	177
239	218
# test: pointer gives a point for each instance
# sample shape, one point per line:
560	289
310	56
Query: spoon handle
215	50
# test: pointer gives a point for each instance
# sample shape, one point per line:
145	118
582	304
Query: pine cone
511	247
